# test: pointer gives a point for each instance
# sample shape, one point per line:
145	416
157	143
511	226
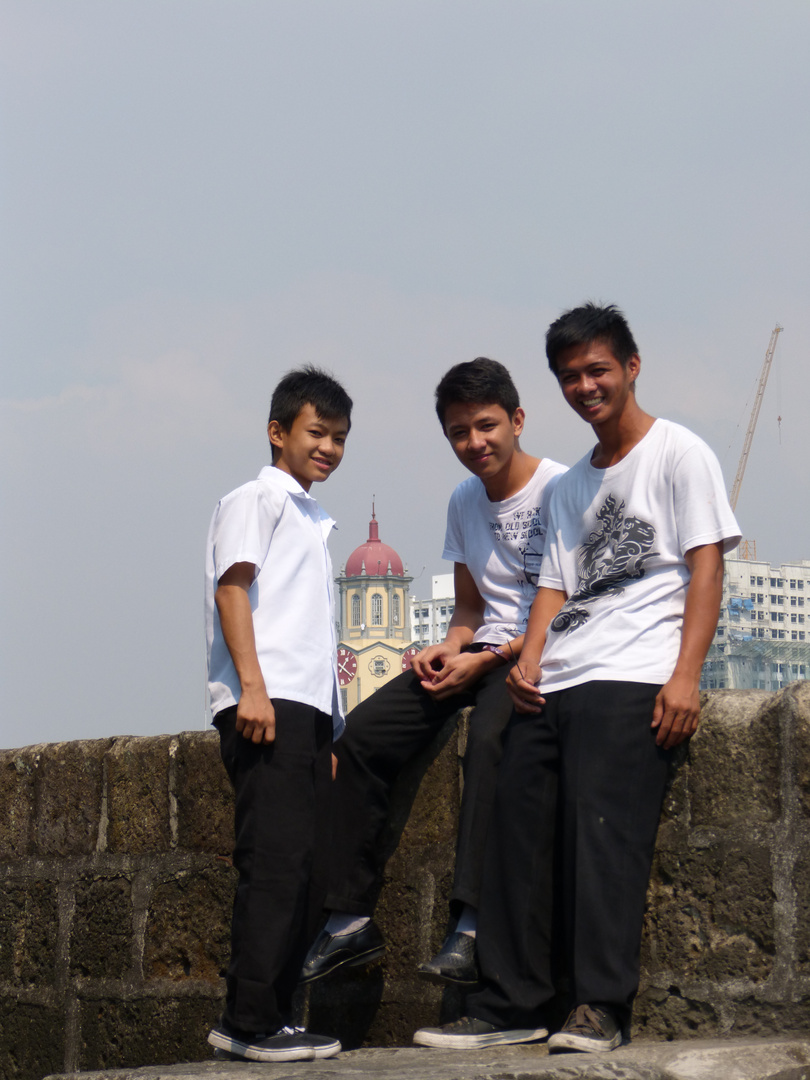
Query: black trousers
385	732
282	794
588	770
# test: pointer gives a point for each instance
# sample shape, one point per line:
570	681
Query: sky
196	197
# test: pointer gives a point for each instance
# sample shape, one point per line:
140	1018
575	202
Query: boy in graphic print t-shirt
606	685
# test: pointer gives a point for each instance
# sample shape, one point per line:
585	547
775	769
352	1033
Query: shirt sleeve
243	528
702	511
454	536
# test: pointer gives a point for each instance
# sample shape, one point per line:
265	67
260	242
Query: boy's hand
459	672
522	684
334	766
677	711
256	717
428	663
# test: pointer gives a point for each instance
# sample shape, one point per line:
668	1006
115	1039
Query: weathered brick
32	1040
68	786
204	795
734	762
188	925
665	1014
797	699
101	938
711	914
145	1031
138	795
29	928
16	803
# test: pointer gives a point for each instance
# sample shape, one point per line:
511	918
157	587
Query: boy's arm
444	669
523	680
677	707
255	717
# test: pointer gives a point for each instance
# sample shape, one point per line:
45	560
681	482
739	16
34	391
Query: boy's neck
617	437
512	478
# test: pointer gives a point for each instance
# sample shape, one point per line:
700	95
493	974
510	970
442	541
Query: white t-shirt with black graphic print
616	545
501	544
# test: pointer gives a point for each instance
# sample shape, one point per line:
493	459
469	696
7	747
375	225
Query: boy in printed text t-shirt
496	528
606	686
272	681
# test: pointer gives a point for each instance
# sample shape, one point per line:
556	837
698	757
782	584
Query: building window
395	609
376	609
799	584
792	583
760	581
753	581
355	610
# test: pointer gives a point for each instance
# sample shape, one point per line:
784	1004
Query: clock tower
374	632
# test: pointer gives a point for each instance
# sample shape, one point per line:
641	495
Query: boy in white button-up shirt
272	681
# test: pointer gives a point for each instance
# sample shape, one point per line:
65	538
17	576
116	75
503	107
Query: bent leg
382	734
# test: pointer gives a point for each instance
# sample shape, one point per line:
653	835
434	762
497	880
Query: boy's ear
275	433
518	421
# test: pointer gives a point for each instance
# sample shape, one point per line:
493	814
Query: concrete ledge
701	1059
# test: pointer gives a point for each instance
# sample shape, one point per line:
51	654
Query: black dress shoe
330	952
455	962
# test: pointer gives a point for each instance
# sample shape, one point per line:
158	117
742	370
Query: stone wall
116	887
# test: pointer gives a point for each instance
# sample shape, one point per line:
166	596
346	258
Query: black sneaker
588	1029
470	1033
287	1044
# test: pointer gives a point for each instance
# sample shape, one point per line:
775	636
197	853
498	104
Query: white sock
467	921
340	923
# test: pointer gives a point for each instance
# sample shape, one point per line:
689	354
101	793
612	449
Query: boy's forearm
545	606
236	620
704	596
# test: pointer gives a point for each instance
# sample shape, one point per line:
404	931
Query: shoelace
287	1030
584	1019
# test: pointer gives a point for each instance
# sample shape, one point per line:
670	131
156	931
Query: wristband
495	649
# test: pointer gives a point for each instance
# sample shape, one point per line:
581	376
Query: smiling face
596	386
483	437
313	447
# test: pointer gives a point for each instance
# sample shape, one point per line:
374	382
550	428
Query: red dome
374	557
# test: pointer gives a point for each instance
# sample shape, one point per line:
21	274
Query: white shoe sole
582	1044
443	1041
248	1052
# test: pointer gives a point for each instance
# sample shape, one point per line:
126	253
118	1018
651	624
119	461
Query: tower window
376	609
355	610
395	619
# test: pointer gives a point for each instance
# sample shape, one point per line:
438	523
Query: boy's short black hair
309	386
590	322
477	382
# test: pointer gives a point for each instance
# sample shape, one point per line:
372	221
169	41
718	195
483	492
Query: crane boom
752	423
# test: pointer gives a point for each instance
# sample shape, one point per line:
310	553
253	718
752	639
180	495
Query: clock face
347	665
408	656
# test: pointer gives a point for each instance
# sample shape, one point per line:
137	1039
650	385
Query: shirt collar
283	479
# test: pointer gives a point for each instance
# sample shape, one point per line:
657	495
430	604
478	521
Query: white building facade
762	640
430	618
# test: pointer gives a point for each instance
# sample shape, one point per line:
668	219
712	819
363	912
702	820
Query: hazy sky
198	195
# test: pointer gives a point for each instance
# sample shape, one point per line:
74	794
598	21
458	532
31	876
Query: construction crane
752	423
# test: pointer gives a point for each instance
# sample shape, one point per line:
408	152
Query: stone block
68	788
33	1040
801	884
665	1014
29	929
189	923
138	795
796	698
710	914
16	803
204	795
733	771
752	1017
118	1034
102	932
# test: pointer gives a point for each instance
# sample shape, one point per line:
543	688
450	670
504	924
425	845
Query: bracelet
498	652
